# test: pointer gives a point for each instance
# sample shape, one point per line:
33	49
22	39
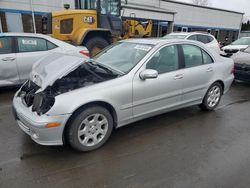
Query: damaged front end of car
42	100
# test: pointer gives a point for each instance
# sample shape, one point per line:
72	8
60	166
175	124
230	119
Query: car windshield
175	36
122	56
242	41
247	50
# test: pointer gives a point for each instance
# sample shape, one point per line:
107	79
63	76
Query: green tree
248	25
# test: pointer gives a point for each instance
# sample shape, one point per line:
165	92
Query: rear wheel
95	45
212	97
90	129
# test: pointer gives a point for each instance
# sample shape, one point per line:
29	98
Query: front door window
165	60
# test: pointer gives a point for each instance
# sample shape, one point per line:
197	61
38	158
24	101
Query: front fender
79	35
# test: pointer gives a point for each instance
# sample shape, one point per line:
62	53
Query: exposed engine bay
85	75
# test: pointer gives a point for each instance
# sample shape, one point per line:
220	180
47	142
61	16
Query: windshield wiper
106	68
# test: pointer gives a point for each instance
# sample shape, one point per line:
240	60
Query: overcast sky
236	5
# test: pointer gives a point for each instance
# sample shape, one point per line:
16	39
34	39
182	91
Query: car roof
156	41
189	33
152	41
180	33
25	34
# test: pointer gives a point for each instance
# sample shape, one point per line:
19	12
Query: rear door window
31	44
51	46
6	45
206	58
192	55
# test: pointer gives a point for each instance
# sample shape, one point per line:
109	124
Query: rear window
6	45
193	37
210	38
203	38
242	41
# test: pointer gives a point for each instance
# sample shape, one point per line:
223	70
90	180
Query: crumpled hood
235	47
52	67
241	58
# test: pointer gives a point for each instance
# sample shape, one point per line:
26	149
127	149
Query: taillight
85	52
233	70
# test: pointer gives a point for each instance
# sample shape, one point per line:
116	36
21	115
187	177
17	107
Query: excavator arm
136	29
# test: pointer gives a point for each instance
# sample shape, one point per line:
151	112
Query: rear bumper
34	125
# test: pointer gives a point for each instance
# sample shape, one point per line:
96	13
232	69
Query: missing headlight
27	92
37	102
42	103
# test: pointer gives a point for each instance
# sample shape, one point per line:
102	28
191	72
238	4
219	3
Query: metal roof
149	8
205	7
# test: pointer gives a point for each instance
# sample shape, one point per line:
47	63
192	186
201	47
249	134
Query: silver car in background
205	38
20	51
236	46
81	102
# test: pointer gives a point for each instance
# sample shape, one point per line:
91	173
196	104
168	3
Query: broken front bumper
35	125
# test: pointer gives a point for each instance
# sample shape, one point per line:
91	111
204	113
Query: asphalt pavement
187	148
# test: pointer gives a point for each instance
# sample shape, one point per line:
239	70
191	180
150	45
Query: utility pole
33	15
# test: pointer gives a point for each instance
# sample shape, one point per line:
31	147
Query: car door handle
8	59
210	69
178	77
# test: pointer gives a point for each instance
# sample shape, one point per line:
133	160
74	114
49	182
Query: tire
212	97
95	43
84	133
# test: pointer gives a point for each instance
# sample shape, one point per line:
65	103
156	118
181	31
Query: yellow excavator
96	25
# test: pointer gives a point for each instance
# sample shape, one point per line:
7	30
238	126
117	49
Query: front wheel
212	97
90	129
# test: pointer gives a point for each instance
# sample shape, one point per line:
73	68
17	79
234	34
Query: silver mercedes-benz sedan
80	102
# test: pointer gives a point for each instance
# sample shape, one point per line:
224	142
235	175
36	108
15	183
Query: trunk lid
235	47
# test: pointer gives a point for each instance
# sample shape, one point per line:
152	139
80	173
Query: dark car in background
242	65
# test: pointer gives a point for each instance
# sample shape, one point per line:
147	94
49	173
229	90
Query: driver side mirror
148	74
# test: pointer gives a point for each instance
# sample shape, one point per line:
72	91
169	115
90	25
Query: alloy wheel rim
213	96
92	129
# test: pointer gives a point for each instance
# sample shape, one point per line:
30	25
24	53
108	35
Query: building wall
194	18
38	5
22	9
225	25
190	15
153	3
